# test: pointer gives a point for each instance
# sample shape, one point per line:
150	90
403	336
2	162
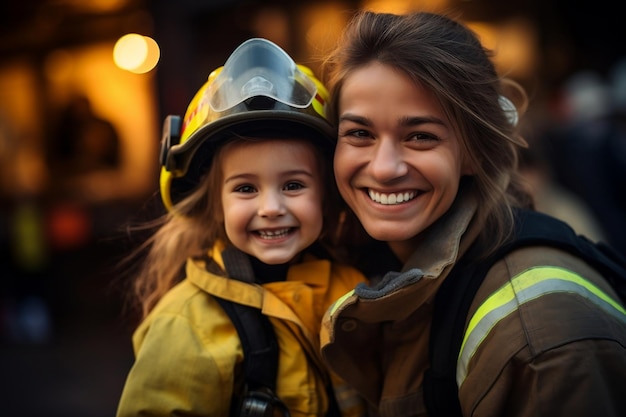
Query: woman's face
398	162
272	197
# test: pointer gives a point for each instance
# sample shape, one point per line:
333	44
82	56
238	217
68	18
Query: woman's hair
195	224
449	60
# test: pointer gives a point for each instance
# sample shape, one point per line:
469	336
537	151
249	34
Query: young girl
426	158
251	216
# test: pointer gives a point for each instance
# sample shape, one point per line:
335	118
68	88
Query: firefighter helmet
259	91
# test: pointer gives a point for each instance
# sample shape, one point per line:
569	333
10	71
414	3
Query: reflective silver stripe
527	286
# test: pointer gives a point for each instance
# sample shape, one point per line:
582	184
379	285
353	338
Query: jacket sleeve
582	378
546	340
180	370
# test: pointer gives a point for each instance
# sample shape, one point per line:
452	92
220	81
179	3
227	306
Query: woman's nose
387	162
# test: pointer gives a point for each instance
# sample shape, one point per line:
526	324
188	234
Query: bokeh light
136	53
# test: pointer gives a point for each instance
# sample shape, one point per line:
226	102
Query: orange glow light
136	53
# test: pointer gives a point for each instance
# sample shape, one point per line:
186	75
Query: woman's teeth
390	199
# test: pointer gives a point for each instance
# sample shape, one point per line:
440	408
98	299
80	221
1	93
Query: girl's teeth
273	234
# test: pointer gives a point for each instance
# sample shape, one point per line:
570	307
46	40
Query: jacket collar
442	240
311	271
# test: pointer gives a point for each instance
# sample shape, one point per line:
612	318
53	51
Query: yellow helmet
259	91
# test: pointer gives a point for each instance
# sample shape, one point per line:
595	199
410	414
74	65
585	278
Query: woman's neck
404	249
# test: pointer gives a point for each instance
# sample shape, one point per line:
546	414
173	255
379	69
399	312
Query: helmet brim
194	157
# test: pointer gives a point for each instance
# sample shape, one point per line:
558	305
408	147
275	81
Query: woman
426	159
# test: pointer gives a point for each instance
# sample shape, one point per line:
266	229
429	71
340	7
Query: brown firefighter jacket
546	334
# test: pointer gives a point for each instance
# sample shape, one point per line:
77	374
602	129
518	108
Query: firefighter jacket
545	333
187	349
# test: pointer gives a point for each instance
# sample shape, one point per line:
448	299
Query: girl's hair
447	58
194	226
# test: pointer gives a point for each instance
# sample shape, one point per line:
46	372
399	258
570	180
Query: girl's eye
293	186
245	189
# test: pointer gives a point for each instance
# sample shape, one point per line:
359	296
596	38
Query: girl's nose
387	162
271	204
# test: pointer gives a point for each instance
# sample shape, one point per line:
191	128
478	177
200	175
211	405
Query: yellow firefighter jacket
187	350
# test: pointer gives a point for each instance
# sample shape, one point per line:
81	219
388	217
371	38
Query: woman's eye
423	137
359	133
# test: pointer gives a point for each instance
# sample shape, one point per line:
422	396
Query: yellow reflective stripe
527	286
339	302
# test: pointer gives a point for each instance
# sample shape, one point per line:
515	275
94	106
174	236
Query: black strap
258	340
259	344
452	303
260	362
457	292
534	228
238	265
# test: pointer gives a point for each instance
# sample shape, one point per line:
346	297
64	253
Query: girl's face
272	197
398	162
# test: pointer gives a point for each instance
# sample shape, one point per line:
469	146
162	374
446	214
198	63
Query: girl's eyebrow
239	176
250	176
297	172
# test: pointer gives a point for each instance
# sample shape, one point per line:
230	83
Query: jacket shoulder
539	310
538	298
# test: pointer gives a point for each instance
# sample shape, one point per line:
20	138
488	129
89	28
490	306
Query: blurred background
85	85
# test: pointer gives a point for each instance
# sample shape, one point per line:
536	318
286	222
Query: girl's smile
272	197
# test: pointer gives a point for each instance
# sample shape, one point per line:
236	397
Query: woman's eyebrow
420	120
349	117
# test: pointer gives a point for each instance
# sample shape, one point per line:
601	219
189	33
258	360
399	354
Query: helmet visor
256	68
